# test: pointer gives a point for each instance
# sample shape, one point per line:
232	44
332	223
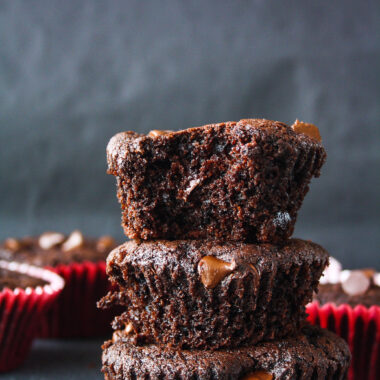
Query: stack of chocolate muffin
213	286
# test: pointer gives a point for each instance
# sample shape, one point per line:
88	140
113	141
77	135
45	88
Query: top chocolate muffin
234	181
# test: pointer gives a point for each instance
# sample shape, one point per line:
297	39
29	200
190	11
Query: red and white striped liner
21	311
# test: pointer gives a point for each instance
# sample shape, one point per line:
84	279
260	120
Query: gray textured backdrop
73	73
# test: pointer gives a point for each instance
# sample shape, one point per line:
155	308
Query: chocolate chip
213	270
156	133
307	129
129	329
117	335
258	375
356	283
369	272
49	240
12	244
105	243
74	241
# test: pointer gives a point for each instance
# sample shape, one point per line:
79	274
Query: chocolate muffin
233	181
355	287
54	248
313	353
12	280
199	294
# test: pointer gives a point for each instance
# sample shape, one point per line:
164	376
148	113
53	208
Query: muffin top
352	287
30	278
12	280
300	134
54	248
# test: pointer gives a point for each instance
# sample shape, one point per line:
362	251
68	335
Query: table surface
61	359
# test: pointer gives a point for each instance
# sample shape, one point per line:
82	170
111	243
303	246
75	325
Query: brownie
193	293
233	181
313	353
53	248
339	294
12	280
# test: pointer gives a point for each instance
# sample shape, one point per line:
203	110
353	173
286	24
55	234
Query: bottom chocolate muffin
313	354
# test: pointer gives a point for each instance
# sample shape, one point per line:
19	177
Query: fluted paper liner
75	313
360	327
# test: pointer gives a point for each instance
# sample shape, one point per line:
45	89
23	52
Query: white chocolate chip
75	240
332	273
49	240
344	274
376	279
356	284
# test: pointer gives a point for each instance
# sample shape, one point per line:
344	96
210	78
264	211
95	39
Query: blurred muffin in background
348	303
26	294
81	262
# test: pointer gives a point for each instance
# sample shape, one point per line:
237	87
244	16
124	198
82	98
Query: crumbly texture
263	298
12	280
314	354
335	294
238	181
30	252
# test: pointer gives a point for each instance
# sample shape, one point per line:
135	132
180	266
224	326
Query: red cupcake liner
75	314
360	327
21	311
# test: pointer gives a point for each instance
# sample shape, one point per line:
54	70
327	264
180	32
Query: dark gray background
73	73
